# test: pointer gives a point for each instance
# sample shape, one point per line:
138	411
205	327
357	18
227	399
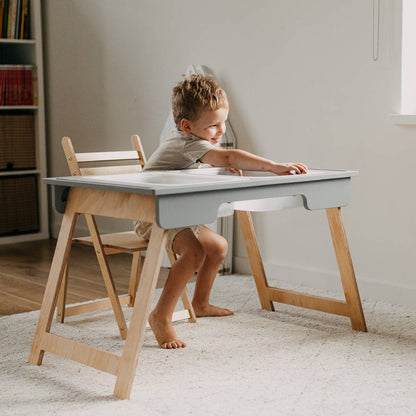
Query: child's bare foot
164	333
210	310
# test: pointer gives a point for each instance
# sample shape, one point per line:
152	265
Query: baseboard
369	288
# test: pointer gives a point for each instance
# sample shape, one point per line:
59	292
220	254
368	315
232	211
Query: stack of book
15	19
18	85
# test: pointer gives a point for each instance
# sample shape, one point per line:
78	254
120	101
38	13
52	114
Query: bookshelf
23	196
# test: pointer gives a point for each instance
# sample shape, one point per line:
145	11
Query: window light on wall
408	77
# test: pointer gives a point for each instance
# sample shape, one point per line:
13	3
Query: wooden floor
24	270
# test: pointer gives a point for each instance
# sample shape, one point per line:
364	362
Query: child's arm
240	159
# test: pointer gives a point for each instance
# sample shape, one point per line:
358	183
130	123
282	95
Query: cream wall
303	86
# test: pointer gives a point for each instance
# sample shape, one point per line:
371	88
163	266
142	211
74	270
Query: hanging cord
376	28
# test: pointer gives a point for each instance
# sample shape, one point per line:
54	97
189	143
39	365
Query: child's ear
186	125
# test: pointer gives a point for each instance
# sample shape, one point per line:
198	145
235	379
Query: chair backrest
80	163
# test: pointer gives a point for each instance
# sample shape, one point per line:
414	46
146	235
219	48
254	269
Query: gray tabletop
193	196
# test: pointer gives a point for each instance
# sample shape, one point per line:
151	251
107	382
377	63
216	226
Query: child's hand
290	169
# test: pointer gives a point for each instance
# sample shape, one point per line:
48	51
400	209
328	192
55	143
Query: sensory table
183	198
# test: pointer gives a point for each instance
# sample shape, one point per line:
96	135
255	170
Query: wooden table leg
60	259
346	269
145	295
256	263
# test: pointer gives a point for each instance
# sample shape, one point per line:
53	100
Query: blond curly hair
196	93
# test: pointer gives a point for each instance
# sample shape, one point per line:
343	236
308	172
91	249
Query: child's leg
191	255
215	248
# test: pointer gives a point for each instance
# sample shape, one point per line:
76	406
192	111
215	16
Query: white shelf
21	238
29	52
20	172
18	107
18	41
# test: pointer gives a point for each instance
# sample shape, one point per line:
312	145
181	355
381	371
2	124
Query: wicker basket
19	210
17	142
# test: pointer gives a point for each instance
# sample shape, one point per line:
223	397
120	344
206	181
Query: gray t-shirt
181	151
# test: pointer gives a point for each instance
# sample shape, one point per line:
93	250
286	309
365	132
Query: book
18	17
12	25
34	97
23	18
1	17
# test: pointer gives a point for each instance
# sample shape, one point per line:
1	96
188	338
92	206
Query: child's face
209	126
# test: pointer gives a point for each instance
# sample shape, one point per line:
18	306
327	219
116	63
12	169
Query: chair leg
108	279
134	276
60	306
185	295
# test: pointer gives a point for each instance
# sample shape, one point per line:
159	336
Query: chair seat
126	241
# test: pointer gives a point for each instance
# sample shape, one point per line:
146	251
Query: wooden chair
108	244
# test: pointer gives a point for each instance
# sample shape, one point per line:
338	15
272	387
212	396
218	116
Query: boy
200	109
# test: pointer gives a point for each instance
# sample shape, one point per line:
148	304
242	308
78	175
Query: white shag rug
290	362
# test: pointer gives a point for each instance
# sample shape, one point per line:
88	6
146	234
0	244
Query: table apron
180	210
106	203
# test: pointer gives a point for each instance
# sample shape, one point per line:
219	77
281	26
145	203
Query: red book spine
2	86
21	86
29	85
5	86
8	77
35	85
15	86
